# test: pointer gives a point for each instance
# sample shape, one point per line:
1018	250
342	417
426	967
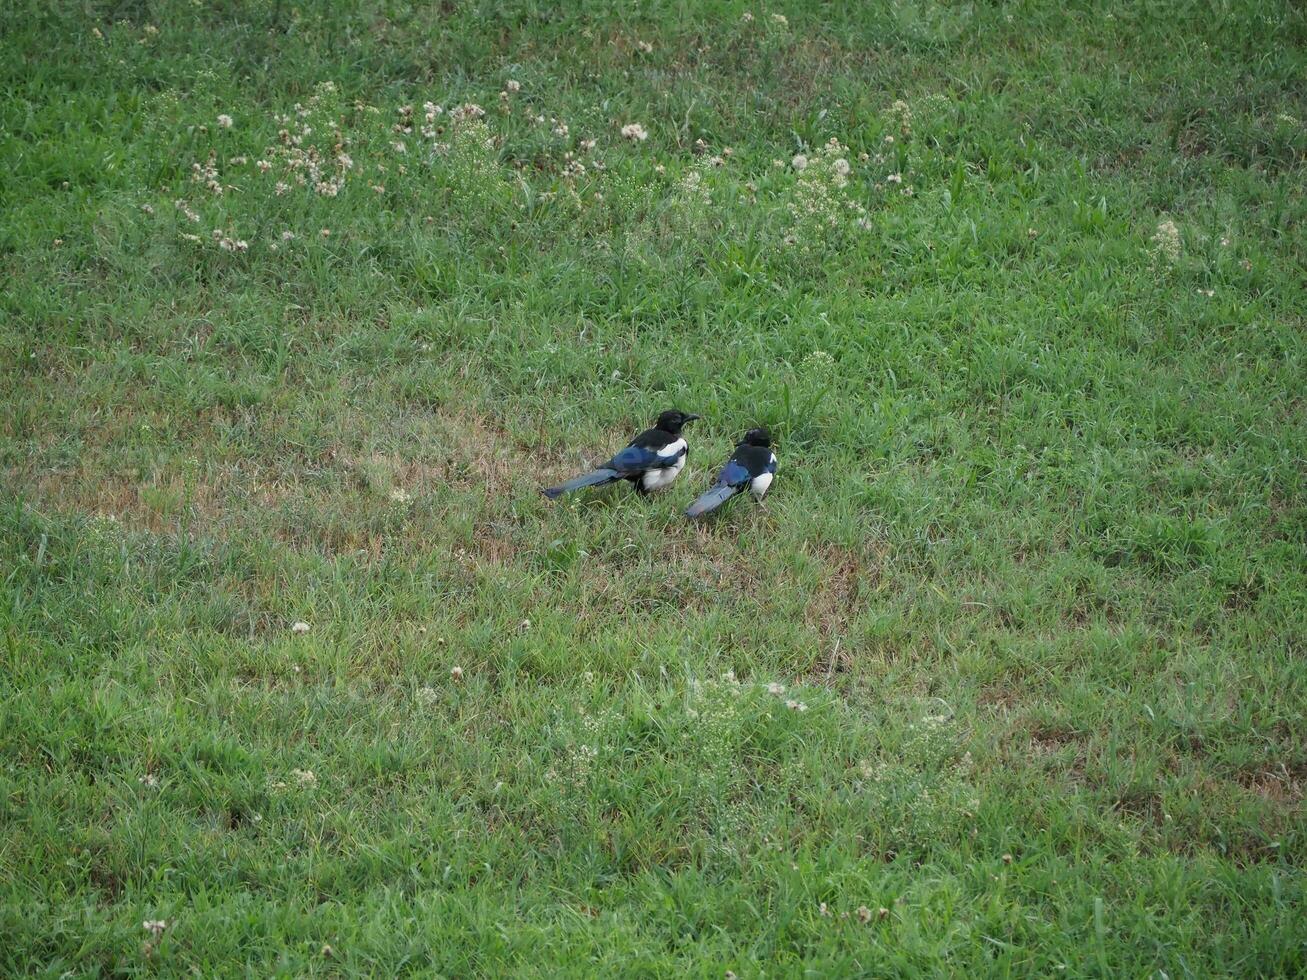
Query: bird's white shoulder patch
673	449
758	486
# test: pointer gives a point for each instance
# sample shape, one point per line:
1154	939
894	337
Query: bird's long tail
711	500
596	479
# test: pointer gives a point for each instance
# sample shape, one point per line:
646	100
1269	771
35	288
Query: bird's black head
672	420
757	437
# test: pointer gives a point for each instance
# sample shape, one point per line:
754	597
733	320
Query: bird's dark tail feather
596	479
710	501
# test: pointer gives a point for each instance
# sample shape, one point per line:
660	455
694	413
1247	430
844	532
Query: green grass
1033	564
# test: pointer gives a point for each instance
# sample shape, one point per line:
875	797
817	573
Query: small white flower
304	777
149	780
155	926
775	688
746	17
644	46
455	673
800	162
300	627
894	179
225	121
288	236
513	85
635	132
400	495
841	167
780	19
428	696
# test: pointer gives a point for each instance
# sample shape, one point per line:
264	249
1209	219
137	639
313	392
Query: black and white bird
650	461
751	467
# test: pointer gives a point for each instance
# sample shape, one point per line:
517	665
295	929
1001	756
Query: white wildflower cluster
297	158
635	132
206	174
430	113
901	114
592	742
818	362
688	214
427	696
471	154
713	709
1166	241
820	205
228	242
776	689
103	529
467	112
299	779
573	169
921	789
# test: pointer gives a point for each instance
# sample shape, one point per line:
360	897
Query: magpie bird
750	467
650	461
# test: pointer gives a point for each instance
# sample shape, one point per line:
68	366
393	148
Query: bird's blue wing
633	459
733	474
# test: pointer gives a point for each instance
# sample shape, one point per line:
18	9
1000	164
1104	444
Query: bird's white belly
660	478
759	484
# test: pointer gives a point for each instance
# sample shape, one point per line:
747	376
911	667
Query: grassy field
304	301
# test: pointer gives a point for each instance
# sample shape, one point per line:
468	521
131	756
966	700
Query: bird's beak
690	418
